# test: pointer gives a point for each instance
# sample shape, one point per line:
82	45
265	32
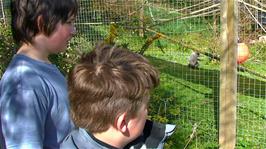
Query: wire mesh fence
251	106
167	32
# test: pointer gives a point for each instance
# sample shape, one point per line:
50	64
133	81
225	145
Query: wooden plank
228	75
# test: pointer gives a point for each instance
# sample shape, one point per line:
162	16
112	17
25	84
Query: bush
7	47
65	60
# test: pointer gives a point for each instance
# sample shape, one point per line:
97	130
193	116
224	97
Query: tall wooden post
228	76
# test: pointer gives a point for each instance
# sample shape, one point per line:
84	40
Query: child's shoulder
22	66
80	138
23	71
74	139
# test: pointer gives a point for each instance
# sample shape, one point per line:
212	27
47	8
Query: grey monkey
193	61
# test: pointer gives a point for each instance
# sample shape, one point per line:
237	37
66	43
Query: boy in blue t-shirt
109	95
34	106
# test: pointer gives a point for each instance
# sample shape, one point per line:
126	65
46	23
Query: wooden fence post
228	75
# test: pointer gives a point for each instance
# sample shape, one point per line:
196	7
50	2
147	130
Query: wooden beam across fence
228	75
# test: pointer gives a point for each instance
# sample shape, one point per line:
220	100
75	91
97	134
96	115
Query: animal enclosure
167	32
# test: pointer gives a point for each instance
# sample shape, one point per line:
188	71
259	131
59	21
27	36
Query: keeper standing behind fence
34	106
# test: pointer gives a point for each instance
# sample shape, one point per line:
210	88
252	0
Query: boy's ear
40	23
121	123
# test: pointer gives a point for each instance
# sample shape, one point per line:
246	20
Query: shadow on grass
210	78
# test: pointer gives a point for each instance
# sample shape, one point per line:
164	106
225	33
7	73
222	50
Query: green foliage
258	51
7	47
67	59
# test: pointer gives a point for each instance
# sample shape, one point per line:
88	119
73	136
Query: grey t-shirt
153	137
79	138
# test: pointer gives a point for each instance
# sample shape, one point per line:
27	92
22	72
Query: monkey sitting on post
193	61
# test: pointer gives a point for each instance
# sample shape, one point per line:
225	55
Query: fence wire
167	32
251	106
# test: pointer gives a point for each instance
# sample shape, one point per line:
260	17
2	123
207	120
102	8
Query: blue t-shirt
34	106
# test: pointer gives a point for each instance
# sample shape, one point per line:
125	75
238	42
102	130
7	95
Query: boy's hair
107	82
25	15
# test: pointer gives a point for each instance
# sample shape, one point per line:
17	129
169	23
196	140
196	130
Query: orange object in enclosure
242	53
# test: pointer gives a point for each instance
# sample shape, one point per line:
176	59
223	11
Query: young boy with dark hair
109	93
34	106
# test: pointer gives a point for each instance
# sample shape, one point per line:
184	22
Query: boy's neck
34	52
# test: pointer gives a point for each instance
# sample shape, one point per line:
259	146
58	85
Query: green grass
251	119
